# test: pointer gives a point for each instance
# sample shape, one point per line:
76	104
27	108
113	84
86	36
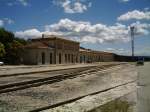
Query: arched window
69	58
43	58
50	58
65	58
59	58
72	58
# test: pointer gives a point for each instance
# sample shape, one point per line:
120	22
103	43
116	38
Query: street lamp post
132	39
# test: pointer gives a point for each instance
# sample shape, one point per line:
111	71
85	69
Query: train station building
51	49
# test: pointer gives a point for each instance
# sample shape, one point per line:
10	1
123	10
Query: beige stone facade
50	49
87	56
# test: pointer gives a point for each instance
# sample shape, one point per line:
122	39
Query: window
43	58
76	58
59	58
72	58
84	58
69	58
66	58
81	59
50	58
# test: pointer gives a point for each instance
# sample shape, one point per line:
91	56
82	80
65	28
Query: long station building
51	49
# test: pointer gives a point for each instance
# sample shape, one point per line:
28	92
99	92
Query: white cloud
141	28
27	34
110	49
85	32
18	2
90	4
1	23
135	14
23	2
71	6
124	0
10	4
6	21
143	51
120	51
146	8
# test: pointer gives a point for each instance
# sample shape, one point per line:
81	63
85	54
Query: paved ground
45	95
144	88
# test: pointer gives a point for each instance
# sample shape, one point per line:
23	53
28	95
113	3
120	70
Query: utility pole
132	39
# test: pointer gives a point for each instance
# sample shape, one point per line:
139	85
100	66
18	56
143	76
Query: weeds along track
4	88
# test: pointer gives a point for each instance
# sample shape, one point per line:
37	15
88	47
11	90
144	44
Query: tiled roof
84	50
93	51
38	44
49	37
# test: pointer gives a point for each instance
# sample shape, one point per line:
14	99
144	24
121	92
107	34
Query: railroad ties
48	79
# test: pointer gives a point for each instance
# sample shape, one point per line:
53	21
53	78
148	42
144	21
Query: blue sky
97	24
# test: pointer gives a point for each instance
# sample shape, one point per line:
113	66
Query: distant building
88	55
51	49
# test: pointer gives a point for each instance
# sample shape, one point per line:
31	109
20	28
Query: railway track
51	79
46	71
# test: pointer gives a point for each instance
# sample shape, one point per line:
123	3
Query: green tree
6	36
20	40
11	47
14	52
2	51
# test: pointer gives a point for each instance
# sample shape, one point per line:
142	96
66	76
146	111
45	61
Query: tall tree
6	36
10	47
2	51
13	52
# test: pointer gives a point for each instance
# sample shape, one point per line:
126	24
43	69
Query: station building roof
54	37
93	51
38	44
